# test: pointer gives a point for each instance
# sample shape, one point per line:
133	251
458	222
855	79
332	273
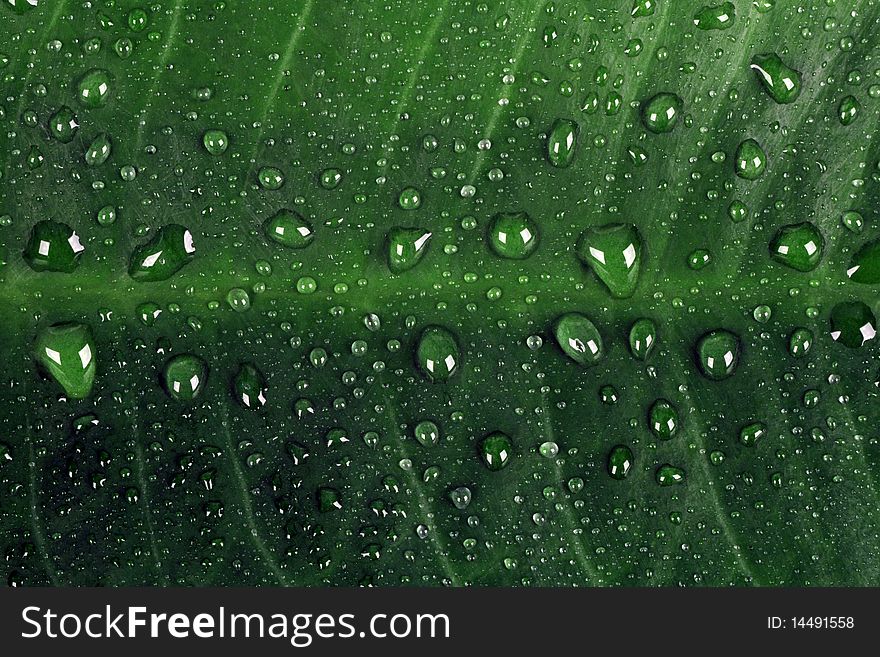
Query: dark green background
292	83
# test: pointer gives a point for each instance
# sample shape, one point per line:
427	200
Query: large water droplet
249	386
93	88
669	475
718	354
163	256
750	160
562	142
185	376
663	419
289	228
620	461
496	450
437	354
715	17
406	247
67	352
642	338
53	246
513	235
780	81
852	323
661	113
63	125
99	150
614	252
579	338
865	264
799	246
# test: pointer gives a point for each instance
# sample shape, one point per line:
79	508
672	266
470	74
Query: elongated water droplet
620	462
848	110
99	150
718	354
562	143
663	419
496	450
513	235
669	475
289	228
779	80
437	354
53	246
579	338
799	246
642	338
715	17
800	342
67	352
406	247
163	256
614	252
184	376
661	112
750	434
852	323
249	386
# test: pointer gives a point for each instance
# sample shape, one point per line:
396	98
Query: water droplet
715	17
661	113
663	419
270	178
289	228
513	235
865	264
437	354
669	475
718	354
53	246
620	462
800	342
93	89
406	247
238	299
562	143
63	125
215	141
249	386
185	376
642	338
410	198
163	256
750	160
852	323
496	451
614	252
848	110
67	352
799	246
460	497
99	150
750	434
780	81
852	221
427	433
579	338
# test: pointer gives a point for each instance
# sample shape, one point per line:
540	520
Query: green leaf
359	120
